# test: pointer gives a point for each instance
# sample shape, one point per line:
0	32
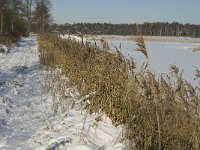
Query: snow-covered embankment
26	117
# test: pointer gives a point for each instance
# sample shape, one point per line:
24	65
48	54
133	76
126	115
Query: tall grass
157	112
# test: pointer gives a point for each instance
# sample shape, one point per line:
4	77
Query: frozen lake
163	54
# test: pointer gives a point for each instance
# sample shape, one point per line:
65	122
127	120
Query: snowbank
72	37
3	49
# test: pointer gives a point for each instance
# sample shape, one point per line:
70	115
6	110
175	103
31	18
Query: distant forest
153	29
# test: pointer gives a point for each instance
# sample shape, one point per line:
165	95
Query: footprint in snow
7	101
15	83
61	142
2	83
2	122
19	69
15	91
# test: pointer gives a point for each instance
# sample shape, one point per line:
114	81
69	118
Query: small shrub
9	38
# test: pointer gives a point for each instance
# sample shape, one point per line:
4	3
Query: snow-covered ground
72	37
27	120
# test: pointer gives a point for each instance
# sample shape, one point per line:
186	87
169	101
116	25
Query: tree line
24	16
153	29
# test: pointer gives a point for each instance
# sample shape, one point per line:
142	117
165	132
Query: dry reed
158	113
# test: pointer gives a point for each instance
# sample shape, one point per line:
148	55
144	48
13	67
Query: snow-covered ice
163	54
27	120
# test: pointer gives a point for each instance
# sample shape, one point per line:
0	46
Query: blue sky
126	11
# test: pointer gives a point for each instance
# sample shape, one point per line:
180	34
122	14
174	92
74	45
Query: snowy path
20	81
26	118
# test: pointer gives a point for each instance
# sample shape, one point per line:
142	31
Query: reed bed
157	112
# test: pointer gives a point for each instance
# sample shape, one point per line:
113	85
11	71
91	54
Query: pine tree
42	15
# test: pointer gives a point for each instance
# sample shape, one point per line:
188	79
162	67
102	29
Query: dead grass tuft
196	49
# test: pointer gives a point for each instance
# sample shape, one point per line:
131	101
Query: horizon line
124	23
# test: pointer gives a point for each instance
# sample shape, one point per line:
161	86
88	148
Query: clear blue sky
126	11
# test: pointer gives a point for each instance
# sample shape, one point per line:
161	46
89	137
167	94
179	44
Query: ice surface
163	54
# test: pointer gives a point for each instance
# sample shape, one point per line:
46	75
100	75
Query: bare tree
2	3
16	12
28	10
12	16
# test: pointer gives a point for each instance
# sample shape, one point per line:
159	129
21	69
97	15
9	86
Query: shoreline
146	38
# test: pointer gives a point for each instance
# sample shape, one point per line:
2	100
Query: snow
72	37
3	49
68	133
163	54
27	119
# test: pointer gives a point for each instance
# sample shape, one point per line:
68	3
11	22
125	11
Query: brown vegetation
158	113
9	38
196	49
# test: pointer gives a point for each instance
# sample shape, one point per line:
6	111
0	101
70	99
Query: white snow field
162	54
27	121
